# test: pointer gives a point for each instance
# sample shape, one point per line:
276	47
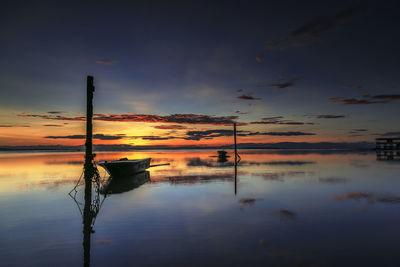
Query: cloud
175	118
240	112
146	118
211	134
354	101
367	99
272	118
208	134
54	112
155	138
390	134
107	61
281	133
248	97
12	125
170	127
312	31
355	135
195	135
357	132
278	120
384	97
95	136
283	84
330	116
354	86
52	117
66	136
53	125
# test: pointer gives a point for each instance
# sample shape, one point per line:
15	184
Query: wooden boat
124	184
124	167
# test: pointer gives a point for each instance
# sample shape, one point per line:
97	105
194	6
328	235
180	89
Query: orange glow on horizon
133	134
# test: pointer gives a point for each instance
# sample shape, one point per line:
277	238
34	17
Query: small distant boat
125	167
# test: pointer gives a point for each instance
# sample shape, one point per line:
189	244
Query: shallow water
292	208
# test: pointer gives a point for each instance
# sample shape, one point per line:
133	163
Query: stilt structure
388	148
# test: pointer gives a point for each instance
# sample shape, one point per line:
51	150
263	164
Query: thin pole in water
234	134
89	172
89	116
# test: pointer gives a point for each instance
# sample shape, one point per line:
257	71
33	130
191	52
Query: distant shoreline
324	146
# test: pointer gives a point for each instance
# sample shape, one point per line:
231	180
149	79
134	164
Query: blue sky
162	58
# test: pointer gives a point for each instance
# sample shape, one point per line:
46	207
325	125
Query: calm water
291	209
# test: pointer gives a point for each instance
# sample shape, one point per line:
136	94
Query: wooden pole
234	135
89	116
89	173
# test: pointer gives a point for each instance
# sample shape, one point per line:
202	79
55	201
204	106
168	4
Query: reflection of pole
234	134
89	172
235	177
87	228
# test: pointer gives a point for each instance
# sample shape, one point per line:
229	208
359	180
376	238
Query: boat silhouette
124	183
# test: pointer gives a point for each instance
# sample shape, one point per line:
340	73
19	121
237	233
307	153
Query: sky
181	72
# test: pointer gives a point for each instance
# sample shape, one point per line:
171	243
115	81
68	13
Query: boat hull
124	168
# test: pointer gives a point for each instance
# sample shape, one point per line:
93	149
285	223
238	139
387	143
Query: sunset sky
180	73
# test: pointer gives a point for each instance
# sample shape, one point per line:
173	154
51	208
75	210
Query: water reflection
285	214
290	208
91	207
388	155
332	180
217	162
124	184
193	179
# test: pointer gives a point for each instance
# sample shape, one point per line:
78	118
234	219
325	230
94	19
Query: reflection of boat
222	154
222	159
125	167
125	184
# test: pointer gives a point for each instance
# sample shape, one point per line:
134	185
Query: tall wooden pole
89	173
89	116
234	134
